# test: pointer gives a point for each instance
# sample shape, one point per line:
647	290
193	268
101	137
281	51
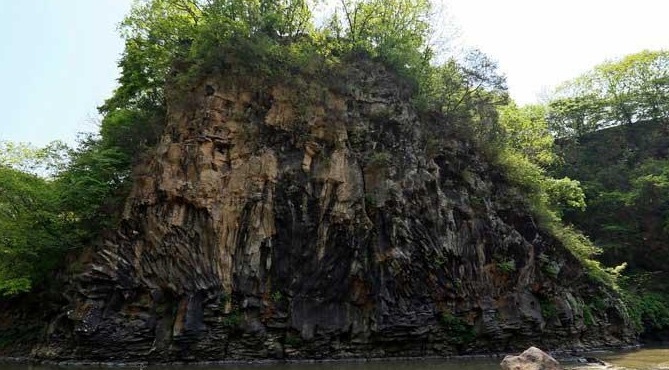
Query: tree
575	116
468	93
526	131
33	232
159	33
619	92
394	31
463	88
93	186
155	32
45	162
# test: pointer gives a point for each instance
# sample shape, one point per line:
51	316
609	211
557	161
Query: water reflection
418	364
643	359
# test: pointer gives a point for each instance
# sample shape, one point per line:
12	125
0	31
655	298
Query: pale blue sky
58	63
58	60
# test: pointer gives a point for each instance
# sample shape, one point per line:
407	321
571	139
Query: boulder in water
532	359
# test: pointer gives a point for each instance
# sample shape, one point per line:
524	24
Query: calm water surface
643	359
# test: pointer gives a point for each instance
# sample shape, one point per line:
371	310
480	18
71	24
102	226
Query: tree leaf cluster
624	91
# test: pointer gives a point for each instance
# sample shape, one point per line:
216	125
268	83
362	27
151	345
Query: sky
58	60
57	64
541	43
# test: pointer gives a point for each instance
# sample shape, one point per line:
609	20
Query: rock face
532	359
315	219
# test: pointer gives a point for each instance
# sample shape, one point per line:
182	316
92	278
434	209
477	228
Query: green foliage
575	115
394	31
525	152
564	194
370	200
260	35
33	230
459	331
232	320
548	309
548	197
94	185
225	298
619	92
526	131
649	186
507	266
646	299
588	316
585	250
56	199
468	93
19	334
273	38
293	341
648	310
624	173
379	159
37	161
549	267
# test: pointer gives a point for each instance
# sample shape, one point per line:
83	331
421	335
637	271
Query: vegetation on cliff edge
176	41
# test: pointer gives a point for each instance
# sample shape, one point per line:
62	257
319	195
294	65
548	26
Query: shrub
588	317
507	266
647	310
459	330
293	341
370	200
34	233
548	267
548	309
232	319
379	159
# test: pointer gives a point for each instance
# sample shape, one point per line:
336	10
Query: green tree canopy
620	92
33	231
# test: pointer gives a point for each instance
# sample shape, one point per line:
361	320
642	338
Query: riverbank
563	355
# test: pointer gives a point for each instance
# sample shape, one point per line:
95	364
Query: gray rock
532	359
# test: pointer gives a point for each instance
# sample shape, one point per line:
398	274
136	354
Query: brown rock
270	224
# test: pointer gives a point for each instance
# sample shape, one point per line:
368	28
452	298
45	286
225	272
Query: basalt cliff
309	219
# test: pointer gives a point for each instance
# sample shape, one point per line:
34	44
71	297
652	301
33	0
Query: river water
642	359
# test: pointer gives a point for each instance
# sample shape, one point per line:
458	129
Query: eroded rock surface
303	220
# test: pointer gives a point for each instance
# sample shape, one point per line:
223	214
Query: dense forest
591	161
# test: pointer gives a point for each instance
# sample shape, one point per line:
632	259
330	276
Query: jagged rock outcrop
308	219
